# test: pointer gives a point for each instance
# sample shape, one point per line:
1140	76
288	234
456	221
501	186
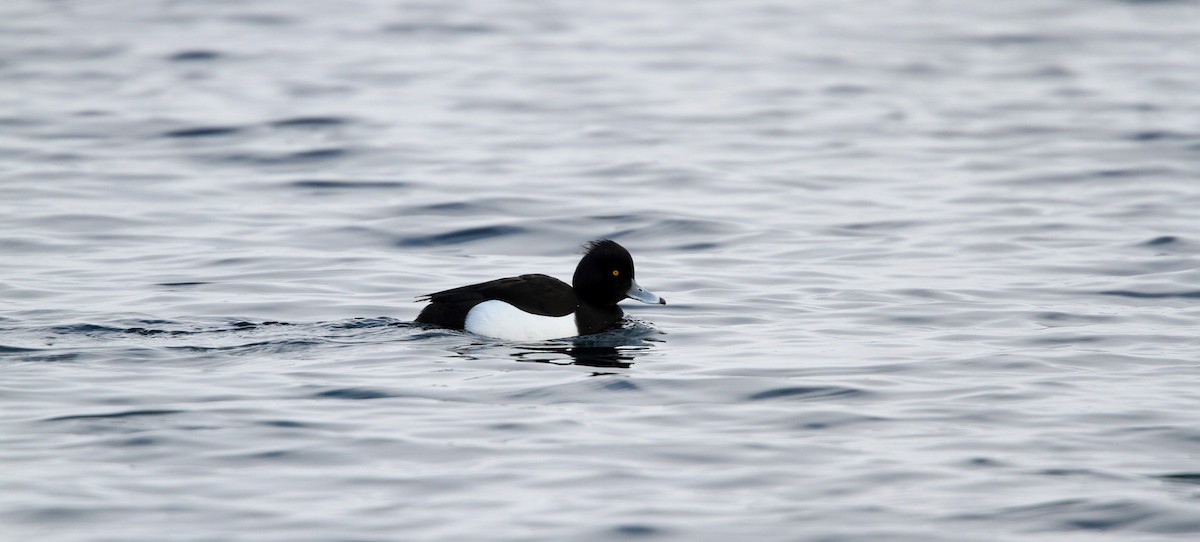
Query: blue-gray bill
636	292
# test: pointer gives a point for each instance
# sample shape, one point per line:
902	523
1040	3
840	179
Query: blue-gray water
933	270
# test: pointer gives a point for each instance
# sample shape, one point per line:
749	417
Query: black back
535	294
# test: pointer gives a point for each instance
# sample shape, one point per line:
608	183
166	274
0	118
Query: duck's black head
605	276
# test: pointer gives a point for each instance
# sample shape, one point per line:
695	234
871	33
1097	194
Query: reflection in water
612	349
591	356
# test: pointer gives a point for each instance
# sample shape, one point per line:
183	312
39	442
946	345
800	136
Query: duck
538	307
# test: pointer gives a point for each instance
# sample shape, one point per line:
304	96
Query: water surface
933	270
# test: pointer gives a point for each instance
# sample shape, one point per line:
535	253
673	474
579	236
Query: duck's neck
592	319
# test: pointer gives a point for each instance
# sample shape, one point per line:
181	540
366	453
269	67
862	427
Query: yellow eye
616	273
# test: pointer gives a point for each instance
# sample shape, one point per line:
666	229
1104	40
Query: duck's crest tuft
599	244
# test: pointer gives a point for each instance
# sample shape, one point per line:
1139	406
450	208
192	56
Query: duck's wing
536	293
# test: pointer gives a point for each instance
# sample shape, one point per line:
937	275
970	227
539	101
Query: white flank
503	321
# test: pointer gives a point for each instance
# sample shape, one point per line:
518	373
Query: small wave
202	131
100	330
284	424
122	414
458	237
1158	135
195	55
331	184
454	207
275	159
275	346
636	530
365	323
805	392
619	384
1088	176
84	328
1077	514
1160	241
677	227
150	331
357	394
309	122
318	154
1194	294
1181	477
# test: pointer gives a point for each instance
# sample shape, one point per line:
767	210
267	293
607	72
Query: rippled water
933	270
